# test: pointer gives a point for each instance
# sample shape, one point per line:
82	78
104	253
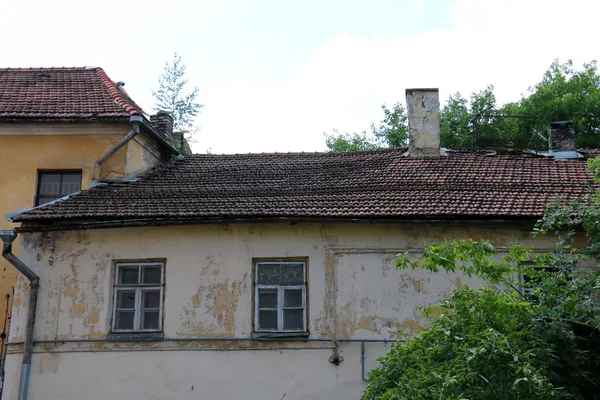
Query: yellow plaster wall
142	154
27	148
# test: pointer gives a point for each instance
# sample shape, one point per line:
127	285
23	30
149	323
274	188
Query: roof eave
69	225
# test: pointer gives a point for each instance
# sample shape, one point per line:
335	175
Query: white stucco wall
354	291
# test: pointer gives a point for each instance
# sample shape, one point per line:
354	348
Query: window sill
267	335
135	336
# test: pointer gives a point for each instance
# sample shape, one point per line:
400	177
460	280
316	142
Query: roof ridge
116	94
305	153
46	68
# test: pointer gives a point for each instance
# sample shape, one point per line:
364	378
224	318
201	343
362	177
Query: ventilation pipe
135	121
8	237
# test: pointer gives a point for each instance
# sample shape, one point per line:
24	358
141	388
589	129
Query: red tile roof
381	184
62	93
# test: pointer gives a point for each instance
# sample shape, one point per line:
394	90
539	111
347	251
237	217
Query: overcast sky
275	74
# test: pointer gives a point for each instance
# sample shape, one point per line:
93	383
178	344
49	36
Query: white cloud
509	44
342	83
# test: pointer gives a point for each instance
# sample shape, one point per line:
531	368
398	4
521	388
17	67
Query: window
531	281
280	297
138	297
53	185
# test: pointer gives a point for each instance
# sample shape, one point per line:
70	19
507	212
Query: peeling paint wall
142	154
354	291
26	148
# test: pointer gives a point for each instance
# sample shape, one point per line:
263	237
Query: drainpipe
8	237
135	121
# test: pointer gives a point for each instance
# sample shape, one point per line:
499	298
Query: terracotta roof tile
375	184
62	93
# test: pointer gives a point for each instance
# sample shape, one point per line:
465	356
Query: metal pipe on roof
8	237
135	121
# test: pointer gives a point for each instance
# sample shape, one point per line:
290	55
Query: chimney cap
422	90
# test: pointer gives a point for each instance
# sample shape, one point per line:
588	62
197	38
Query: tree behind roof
183	105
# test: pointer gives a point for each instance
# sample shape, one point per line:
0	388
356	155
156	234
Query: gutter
39	226
135	121
8	237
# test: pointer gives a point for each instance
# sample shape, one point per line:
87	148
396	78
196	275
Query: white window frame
280	299
138	288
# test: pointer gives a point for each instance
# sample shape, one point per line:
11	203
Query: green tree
565	93
172	96
392	131
393	128
510	339
350	142
455	130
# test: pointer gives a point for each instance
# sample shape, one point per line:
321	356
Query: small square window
53	185
138	297
280	298
530	282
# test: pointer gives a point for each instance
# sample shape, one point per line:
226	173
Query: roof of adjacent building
62	94
384	184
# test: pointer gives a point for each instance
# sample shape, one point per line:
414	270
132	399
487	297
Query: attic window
53	185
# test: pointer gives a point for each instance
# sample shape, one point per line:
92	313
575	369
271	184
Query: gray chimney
162	121
423	107
561	136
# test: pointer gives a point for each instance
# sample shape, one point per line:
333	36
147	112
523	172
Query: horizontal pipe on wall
208	339
232	339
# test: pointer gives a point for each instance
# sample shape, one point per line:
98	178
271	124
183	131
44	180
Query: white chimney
423	107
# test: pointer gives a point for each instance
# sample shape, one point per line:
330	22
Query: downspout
8	237
135	121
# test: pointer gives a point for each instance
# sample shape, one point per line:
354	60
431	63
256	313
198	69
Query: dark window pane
44	200
54	185
49	183
124	320
267	298
151	299
292	298
150	320
293	320
126	299
267	319
268	274
71	183
151	274
292	274
128	275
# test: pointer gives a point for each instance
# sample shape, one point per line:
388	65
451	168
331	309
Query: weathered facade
63	120
354	292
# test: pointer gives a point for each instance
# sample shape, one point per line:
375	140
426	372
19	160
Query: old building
60	130
257	276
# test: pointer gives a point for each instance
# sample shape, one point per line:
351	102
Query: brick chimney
423	106
561	136
162	121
